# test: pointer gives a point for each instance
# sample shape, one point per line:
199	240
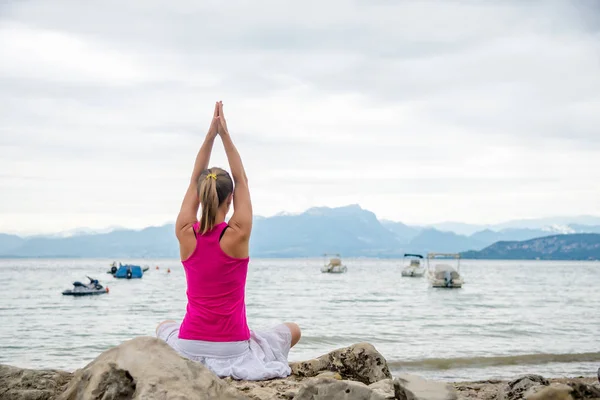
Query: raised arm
188	214
241	220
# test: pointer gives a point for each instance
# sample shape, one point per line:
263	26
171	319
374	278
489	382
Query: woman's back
216	310
215	257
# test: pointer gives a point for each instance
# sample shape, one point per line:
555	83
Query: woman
214	254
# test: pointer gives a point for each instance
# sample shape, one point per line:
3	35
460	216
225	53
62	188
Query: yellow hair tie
214	176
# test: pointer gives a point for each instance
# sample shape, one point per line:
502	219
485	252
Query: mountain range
553	224
576	246
350	230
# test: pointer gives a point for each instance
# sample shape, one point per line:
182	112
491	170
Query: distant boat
444	275
89	289
414	269
123	273
334	266
127	271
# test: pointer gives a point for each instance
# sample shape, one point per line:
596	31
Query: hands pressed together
218	125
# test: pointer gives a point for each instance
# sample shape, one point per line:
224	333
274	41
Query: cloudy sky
421	111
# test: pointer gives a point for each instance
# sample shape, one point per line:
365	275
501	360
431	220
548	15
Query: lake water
511	317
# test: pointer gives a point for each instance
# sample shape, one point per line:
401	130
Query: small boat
129	272
113	268
414	269
444	275
90	289
334	266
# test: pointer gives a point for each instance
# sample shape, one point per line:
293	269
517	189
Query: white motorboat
414	269
334	266
443	275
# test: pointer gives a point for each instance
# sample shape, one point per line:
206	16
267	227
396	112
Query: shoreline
396	368
53	384
590	379
147	368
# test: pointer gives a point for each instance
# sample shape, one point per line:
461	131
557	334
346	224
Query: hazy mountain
9	243
149	242
578	228
551	224
350	230
82	231
580	246
432	240
488	236
403	233
540	223
459	228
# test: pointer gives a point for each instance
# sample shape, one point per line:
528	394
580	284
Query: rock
528	380
271	389
29	384
332	389
556	391
262	393
290	394
481	390
516	389
318	382
353	367
146	368
330	374
583	390
412	387
360	362
385	388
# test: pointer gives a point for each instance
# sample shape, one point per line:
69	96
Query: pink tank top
216	283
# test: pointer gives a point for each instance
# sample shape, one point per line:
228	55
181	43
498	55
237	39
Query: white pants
263	356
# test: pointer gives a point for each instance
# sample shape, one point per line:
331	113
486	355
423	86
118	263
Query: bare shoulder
235	242
187	242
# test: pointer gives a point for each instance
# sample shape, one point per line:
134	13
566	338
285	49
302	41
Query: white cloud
419	111
40	54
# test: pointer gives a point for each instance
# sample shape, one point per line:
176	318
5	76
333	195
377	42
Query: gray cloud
445	104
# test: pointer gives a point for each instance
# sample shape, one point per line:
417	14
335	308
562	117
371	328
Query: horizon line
112	228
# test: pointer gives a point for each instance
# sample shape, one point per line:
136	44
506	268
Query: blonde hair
214	186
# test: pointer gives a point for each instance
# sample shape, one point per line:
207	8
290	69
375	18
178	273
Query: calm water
509	318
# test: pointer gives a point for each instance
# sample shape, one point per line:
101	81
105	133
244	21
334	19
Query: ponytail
214	186
209	200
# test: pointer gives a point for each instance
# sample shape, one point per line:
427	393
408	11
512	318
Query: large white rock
333	389
516	388
146	368
385	388
360	362
558	391
412	387
18	383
